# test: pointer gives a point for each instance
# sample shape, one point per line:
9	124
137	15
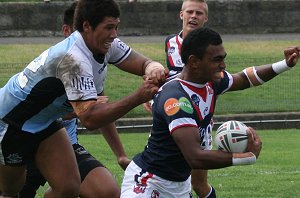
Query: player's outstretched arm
258	75
94	115
139	64
188	140
111	136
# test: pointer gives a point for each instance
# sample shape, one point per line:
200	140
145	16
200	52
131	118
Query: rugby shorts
17	147
85	161
138	183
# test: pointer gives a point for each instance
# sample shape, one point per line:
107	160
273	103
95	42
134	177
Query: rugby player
67	78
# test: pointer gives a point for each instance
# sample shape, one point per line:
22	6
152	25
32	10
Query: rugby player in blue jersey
67	78
97	181
180	139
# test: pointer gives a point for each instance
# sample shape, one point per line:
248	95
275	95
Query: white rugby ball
231	136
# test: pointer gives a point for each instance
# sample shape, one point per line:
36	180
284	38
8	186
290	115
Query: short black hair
94	11
197	41
69	14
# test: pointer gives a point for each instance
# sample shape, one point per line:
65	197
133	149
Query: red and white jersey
173	53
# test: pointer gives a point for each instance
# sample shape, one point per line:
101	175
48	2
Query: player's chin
217	77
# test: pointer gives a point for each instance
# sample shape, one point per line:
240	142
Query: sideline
153	39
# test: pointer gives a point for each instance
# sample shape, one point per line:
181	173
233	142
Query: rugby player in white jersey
67	78
180	139
96	180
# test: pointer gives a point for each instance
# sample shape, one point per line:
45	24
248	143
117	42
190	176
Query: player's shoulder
169	37
168	89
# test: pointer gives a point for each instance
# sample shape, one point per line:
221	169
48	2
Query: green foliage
276	173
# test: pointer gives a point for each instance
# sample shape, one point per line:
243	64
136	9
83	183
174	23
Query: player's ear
86	26
66	29
181	14
193	61
206	19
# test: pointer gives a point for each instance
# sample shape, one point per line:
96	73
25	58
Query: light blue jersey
40	94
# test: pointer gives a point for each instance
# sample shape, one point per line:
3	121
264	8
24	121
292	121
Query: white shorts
137	184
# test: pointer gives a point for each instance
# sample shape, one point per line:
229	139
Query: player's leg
34	179
12	160
56	161
200	184
12	179
97	181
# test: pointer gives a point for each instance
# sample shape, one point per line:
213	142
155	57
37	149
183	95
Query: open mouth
193	23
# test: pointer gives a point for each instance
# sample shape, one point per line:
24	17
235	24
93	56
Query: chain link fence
281	94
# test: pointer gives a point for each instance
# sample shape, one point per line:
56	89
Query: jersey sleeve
225	83
174	109
76	74
118	52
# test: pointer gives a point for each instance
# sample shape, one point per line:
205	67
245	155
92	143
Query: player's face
99	40
193	15
212	64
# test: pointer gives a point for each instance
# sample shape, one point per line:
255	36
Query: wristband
253	78
239	159
280	67
153	66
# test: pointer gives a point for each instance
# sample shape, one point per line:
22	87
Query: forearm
218	159
111	136
96	115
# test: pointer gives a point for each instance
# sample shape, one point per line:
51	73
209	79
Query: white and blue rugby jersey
179	104
68	71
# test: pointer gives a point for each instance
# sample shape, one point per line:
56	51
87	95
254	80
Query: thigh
12	178
138	183
97	181
56	161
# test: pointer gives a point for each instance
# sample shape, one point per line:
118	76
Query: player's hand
147	90
292	55
254	142
123	162
147	106
157	72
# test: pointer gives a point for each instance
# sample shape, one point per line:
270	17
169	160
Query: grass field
275	175
279	95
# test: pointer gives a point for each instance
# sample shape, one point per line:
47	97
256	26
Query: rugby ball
231	136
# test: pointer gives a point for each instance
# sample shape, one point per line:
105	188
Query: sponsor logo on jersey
102	68
83	83
121	45
179	62
171	51
172	106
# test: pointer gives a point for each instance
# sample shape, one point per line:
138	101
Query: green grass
279	95
275	175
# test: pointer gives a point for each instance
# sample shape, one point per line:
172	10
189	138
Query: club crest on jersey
172	106
155	194
171	51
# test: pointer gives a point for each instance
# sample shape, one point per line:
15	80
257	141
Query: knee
70	189
111	192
